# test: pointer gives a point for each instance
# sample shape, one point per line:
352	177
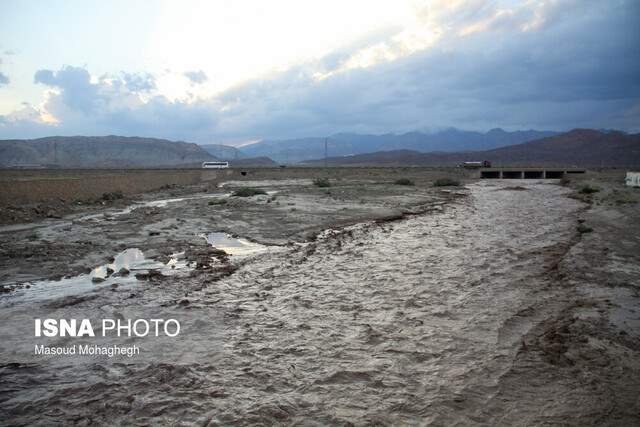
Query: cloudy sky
233	72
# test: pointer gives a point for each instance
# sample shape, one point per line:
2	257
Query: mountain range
450	140
100	151
223	152
579	147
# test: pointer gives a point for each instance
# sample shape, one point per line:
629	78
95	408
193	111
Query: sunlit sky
230	42
234	71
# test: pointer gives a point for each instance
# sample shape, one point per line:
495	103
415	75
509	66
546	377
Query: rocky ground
175	219
500	303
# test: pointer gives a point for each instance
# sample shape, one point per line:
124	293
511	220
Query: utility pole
325	153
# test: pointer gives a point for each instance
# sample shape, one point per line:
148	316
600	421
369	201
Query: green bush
446	182
587	189
321	182
404	181
215	202
248	192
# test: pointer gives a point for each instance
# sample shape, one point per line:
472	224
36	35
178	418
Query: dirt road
486	307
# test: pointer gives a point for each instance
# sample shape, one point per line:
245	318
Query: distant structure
476	165
215	165
527	172
326	153
632	179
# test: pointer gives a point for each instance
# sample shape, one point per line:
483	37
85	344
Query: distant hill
223	152
450	140
100	151
579	147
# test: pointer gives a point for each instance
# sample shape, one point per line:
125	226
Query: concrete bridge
528	173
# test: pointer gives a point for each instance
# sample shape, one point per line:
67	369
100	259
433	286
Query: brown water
409	322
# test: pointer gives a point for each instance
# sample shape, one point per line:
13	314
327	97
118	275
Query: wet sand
414	306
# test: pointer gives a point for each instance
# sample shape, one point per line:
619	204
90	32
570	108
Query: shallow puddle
234	245
267	183
151	204
132	259
13	228
164	202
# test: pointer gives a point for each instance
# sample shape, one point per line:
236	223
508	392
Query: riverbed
436	316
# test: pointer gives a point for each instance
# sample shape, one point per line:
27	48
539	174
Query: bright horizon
216	72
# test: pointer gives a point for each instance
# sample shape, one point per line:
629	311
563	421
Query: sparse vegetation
626	198
114	195
248	192
322	182
217	202
565	180
587	189
404	181
446	182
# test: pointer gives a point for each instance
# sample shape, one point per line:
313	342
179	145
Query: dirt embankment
52	187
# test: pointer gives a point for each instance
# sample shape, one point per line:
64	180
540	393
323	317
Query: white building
633	179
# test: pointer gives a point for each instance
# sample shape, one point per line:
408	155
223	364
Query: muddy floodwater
473	310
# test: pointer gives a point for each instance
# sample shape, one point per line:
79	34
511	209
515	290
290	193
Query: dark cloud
196	77
574	70
45	77
76	90
111	105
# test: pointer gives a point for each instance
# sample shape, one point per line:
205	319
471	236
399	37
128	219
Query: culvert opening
490	174
555	174
533	174
512	174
